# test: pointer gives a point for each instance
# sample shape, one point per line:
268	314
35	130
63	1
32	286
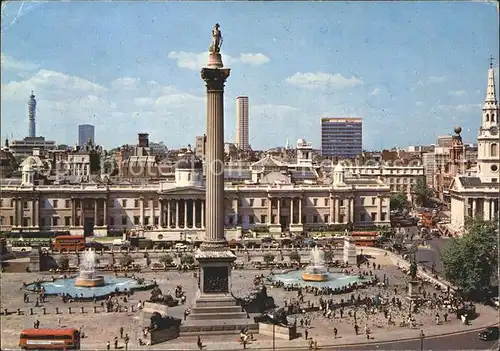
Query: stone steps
221	327
220	316
216	310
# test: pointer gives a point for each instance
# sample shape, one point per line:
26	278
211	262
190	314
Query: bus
50	339
64	243
365	238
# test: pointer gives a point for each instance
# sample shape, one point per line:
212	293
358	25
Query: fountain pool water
87	277
88	284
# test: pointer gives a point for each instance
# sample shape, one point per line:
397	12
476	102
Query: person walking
356	329
199	343
108	345
121	332
335	331
306	334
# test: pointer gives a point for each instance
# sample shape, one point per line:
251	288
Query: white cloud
374	92
322	80
51	84
431	80
9	63
144	101
254	59
457	93
419	103
176	100
127	83
195	61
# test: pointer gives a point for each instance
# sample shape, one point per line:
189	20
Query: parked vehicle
66	243
490	333
50	339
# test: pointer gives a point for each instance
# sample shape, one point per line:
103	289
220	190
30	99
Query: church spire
491	96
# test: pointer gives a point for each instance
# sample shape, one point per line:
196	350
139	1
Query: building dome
189	161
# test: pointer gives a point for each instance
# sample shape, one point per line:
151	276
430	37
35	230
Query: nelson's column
215	304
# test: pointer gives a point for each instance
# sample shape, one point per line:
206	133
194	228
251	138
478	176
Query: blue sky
412	70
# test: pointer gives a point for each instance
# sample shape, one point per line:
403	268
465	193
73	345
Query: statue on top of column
216	40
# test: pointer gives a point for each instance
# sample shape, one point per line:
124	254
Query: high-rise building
341	137
32	115
86	132
242	122
200	146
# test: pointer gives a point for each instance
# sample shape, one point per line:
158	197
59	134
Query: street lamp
274	337
422	336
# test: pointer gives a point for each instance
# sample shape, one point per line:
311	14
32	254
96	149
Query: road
432	254
463	341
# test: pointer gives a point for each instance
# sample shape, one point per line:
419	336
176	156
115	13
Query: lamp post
422	337
274	337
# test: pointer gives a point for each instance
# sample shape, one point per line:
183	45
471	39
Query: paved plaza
102	327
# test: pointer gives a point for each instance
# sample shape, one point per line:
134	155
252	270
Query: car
95	245
490	333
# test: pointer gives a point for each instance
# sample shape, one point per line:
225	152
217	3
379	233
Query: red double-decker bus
50	339
66	243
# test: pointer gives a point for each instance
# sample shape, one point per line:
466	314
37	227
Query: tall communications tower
32	115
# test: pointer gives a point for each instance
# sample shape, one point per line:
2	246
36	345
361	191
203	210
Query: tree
126	261
187	259
64	262
471	260
166	260
422	193
268	257
295	256
399	202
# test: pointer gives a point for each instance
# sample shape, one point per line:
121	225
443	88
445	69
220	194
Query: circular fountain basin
97	280
316	274
328	279
69	286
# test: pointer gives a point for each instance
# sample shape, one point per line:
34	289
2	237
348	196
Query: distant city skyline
413	70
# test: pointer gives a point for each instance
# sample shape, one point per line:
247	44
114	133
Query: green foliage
470	261
268	257
399	202
187	259
64	262
328	257
295	256
422	193
166	260
126	261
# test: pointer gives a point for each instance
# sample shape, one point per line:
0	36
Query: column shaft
203	214
73	212
152	212
278	220
380	200
215	169
331	210
36	216
292	200
177	213
194	214
141	210
270	211
105	212
473	208
300	210
185	214
169	214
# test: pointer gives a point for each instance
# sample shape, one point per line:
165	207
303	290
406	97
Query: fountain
87	276
316	271
317	275
88	284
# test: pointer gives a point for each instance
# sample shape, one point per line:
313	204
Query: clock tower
488	140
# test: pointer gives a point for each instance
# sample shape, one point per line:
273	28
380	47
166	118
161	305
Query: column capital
215	78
